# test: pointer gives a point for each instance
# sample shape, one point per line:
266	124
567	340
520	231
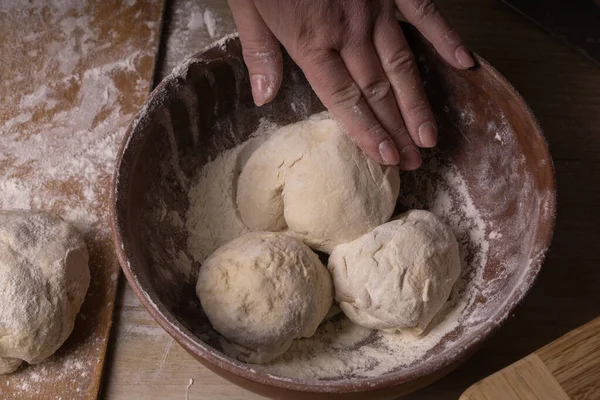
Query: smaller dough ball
44	277
310	178
261	291
397	277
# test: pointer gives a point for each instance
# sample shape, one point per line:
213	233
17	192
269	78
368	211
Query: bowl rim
199	349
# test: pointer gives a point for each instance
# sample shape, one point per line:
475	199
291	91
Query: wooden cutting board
566	369
73	74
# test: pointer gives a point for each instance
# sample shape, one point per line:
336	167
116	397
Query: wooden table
72	76
563	89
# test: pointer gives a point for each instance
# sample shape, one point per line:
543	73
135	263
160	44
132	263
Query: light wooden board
567	369
562	88
574	361
147	364
73	73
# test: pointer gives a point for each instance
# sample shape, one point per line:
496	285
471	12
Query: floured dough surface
397	277
261	291
44	277
310	178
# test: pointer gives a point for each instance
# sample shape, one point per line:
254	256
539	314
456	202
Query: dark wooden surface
563	89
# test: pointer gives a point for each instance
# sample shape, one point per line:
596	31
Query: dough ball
261	291
44	277
397	277
310	177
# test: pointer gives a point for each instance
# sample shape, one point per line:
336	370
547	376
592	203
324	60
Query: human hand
356	58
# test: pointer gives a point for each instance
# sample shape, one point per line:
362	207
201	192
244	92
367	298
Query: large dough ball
261	291
397	277
44	277
311	178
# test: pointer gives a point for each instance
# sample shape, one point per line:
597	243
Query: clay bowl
491	178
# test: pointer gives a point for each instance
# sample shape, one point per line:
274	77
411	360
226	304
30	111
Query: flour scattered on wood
210	20
71	82
189	386
193	27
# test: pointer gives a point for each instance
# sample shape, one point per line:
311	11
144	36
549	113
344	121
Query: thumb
261	50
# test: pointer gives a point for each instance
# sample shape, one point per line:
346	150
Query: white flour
212	219
341	349
193	26
210	20
70	83
60	145
493	247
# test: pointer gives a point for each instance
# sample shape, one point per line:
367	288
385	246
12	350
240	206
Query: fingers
365	69
261	51
326	72
399	65
426	17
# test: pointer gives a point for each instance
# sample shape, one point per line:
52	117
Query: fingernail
464	58
428	134
259	89
410	159
389	153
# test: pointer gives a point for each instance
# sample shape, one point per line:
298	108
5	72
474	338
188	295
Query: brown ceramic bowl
491	179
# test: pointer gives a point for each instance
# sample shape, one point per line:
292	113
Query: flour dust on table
73	76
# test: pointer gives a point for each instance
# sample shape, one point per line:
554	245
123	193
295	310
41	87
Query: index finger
327	73
426	17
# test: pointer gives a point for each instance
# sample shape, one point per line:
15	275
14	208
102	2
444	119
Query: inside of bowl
490	179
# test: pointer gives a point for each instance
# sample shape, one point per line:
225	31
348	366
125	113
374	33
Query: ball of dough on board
310	177
44	277
397	277
261	291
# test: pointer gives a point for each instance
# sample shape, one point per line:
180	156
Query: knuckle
264	55
418	108
451	37
315	49
400	61
304	46
376	131
377	91
348	96
317	38
310	40
425	9
401	133
357	35
317	57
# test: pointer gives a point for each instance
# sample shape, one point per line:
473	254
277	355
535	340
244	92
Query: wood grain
563	89
73	73
527	379
147	364
574	361
566	369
